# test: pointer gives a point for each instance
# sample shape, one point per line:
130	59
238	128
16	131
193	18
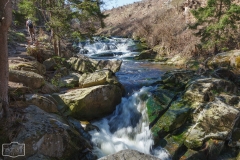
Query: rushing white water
126	128
110	47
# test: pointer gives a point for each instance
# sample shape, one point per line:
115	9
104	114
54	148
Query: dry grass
159	23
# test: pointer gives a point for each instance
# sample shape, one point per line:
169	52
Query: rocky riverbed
192	115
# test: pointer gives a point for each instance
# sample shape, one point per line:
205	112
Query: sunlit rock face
90	103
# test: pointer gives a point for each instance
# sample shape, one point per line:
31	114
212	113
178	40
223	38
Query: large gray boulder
129	155
28	78
89	103
100	77
50	136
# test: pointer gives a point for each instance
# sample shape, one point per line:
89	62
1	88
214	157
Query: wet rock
90	103
173	118
129	155
158	102
174	144
100	77
50	135
176	80
29	79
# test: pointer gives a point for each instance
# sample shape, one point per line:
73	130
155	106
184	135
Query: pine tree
217	24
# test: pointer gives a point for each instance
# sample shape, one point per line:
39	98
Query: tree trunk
5	22
58	46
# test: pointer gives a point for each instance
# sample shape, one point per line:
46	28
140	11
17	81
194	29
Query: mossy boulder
205	89
211	150
173	118
174	144
90	103
221	116
176	80
225	59
29	79
158	102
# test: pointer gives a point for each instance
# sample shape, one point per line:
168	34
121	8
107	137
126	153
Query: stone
27	65
50	64
147	54
16	90
225	60
158	102
89	103
29	79
177	79
48	88
50	135
42	102
173	118
113	65
205	89
84	64
100	77
221	116
70	81
129	155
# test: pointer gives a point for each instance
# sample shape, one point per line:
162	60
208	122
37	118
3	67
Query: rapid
128	126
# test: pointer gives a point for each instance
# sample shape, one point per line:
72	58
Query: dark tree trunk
5	22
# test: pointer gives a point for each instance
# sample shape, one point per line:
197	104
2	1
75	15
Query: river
128	126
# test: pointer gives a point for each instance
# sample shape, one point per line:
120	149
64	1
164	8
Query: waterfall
126	128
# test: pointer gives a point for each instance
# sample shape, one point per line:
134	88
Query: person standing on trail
30	27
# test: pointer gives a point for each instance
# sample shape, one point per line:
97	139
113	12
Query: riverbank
50	95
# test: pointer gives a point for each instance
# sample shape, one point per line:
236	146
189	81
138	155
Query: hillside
161	24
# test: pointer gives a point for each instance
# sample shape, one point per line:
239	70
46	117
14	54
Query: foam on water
126	128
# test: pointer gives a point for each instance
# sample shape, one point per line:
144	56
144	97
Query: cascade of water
126	128
112	47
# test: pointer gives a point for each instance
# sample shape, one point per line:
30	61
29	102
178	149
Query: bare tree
5	22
